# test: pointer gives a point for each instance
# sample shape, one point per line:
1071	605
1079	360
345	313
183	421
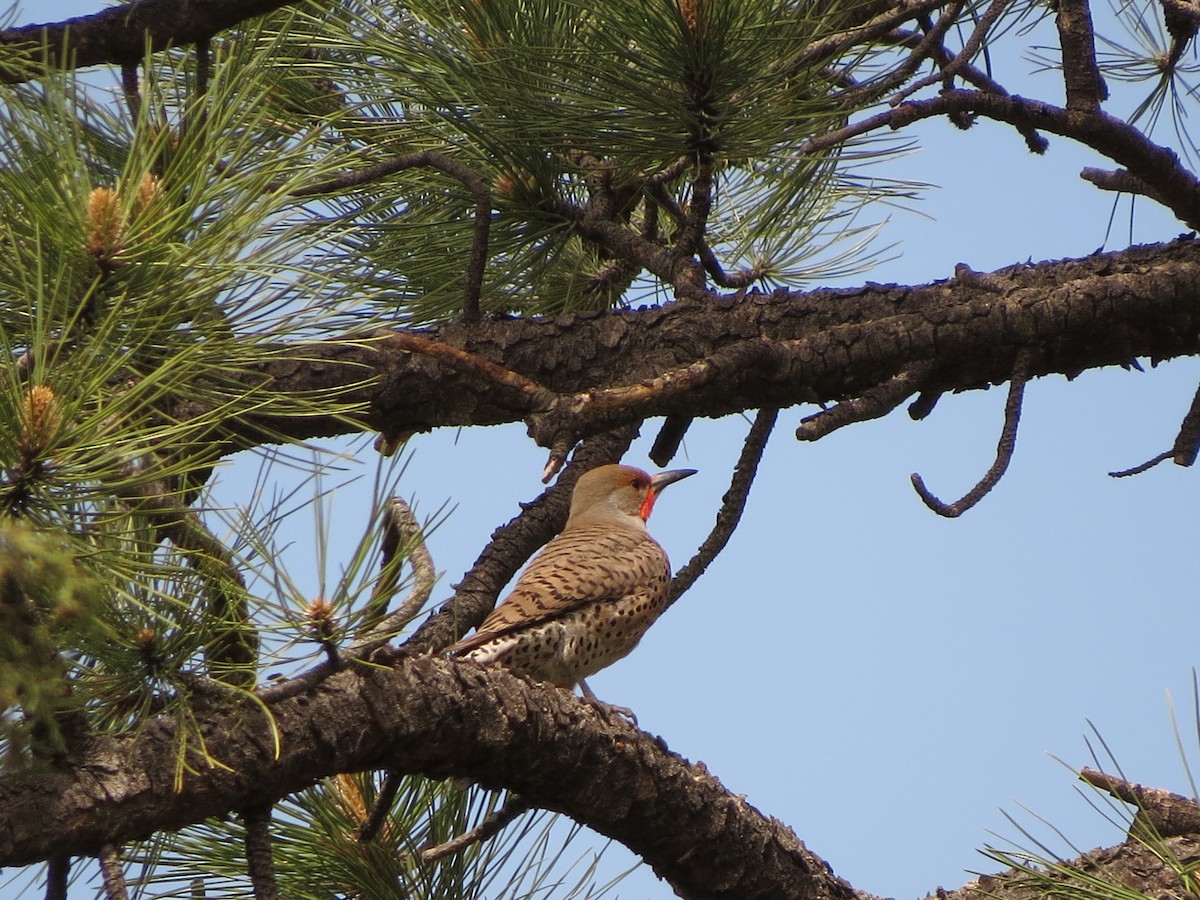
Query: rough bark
119	35
443	719
739	353
440	719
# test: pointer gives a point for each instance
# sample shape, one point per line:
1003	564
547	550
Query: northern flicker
588	597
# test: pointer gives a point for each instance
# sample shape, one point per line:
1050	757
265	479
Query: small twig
1185	448
873	404
949	69
1160	812
670	436
277	693
370	826
1122	182
233	651
490	826
1141	467
477	260
1081	75
58	874
400	532
1187	442
869	32
618	240
203	66
923	406
1004	448
132	91
112	873
930	45
741	279
697	211
732	504
260	864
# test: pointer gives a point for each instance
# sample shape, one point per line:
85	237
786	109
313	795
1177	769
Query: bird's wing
585	565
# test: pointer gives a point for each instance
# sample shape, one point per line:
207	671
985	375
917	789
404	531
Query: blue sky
883	680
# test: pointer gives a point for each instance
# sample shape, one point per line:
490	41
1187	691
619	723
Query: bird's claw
611	710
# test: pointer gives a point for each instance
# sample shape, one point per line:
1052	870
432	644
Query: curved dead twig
400	532
1185	449
732	505
1157	166
1004	448
873	404
1141	467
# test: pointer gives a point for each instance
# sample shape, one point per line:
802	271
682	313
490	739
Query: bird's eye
640	484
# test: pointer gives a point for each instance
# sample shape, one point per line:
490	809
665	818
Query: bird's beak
657	483
662	479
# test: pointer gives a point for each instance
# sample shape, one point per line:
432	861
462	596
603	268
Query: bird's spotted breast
583	602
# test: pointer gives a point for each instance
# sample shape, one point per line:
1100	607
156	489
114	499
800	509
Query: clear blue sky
883	680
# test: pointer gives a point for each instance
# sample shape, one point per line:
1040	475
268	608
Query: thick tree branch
737	353
441	719
118	35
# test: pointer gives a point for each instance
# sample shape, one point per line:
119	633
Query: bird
589	595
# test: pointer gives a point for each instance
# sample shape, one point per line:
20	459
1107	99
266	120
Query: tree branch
732	504
441	719
112	873
260	863
513	807
1004	448
1160	813
1084	84
736	353
58	875
118	35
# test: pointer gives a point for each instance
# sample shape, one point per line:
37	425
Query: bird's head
620	493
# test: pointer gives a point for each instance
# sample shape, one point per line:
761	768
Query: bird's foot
609	709
619	712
